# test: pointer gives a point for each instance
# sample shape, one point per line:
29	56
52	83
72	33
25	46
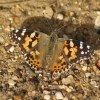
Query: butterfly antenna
61	27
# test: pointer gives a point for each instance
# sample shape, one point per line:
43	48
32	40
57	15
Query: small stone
17	98
60	16
58	95
16	19
87	74
46	92
62	86
1	40
11	49
98	12
48	12
68	80
71	14
53	87
11	70
29	93
93	82
84	68
68	90
14	78
47	97
97	23
11	82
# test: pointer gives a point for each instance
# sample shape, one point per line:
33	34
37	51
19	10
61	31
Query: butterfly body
49	52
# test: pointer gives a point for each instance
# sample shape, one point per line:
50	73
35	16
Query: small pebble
46	92
14	77
48	12
1	40
11	49
29	93
58	95
68	80
97	23
68	90
16	19
60	16
87	74
98	12
84	68
47	97
11	82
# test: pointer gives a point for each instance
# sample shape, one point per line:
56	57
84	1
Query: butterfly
44	52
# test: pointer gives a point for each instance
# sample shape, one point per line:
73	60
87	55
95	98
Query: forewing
31	44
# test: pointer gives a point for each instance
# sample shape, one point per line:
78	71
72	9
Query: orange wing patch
34	43
71	44
66	50
73	53
70	50
28	40
26	44
33	60
58	66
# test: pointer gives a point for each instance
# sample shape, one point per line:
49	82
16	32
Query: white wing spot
15	36
81	45
23	32
88	46
16	31
32	35
19	38
88	51
82	52
24	29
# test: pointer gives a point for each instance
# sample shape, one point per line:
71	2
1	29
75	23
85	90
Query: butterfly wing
34	45
31	44
71	52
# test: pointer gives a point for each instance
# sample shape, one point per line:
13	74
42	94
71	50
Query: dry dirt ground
78	18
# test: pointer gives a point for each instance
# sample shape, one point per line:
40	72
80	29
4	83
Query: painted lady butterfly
43	52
